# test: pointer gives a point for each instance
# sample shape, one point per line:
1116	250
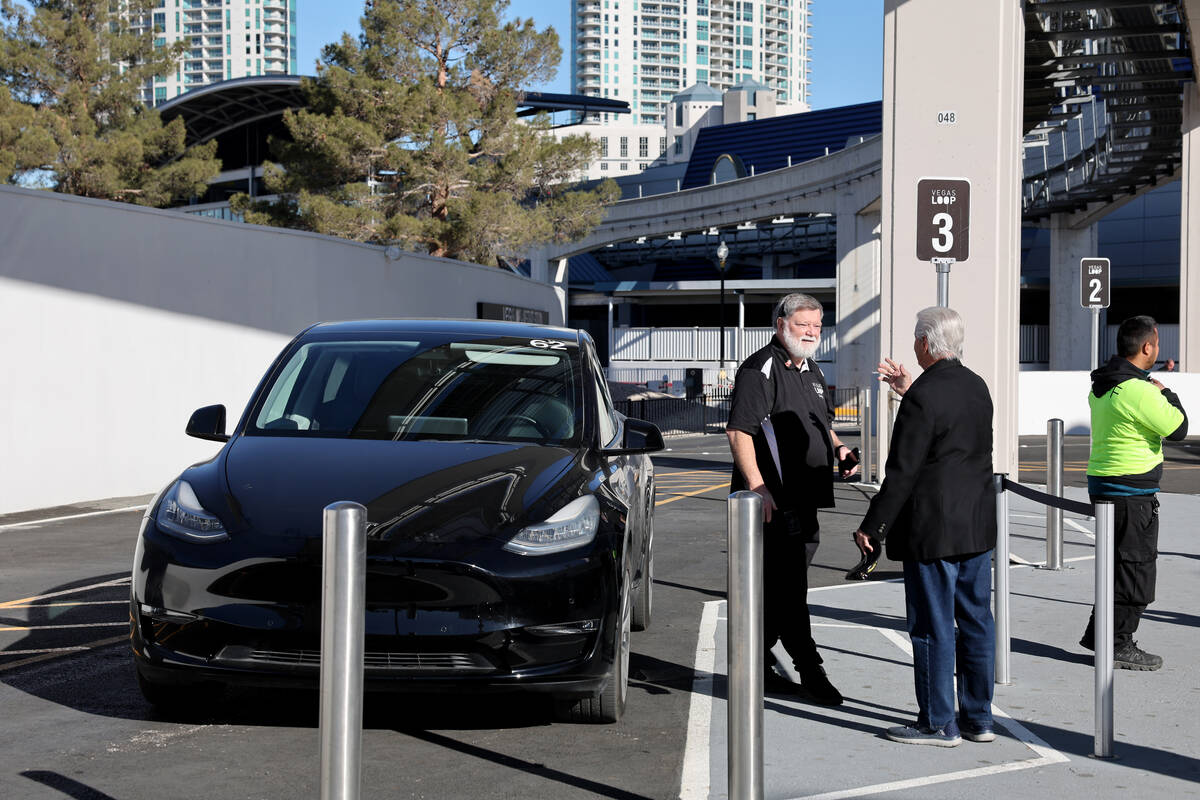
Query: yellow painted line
692	494
688	472
76	590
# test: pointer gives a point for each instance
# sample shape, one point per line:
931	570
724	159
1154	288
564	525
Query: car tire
643	597
178	698
609	705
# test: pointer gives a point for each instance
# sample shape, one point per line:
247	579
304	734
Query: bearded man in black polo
784	448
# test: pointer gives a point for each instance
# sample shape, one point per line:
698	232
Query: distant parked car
509	508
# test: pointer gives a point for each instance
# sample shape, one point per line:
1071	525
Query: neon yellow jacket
1129	420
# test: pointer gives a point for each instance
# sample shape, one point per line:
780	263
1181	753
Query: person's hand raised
895	375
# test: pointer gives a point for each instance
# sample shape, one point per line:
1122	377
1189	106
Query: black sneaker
775	683
818	688
1130	656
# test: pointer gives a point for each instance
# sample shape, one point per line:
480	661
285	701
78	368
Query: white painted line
854	585
8	628
1045	754
27	523
694	783
73	603
76	590
74	648
929	780
1088	532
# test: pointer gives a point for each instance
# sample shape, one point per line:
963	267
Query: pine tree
410	136
72	118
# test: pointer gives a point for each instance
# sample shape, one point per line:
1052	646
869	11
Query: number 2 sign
943	219
1094	282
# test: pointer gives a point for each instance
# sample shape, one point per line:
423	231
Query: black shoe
1130	656
775	683
818	688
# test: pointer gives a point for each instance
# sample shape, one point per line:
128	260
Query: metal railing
708	412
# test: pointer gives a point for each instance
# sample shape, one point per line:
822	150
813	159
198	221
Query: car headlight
574	525
181	514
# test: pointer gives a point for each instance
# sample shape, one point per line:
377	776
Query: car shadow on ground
99	678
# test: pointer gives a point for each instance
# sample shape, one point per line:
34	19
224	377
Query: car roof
468	327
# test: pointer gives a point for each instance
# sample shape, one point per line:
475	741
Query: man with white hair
784	448
936	511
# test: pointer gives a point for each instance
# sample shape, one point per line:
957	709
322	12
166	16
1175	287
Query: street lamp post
722	254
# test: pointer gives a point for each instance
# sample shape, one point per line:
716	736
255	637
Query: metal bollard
867	435
1103	631
1000	568
745	646
1054	486
343	578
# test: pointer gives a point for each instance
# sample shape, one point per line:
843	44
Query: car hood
431	491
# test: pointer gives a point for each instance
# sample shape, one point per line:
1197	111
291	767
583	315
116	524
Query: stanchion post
745	647
1000	568
343	577
1103	630
868	450
1054	487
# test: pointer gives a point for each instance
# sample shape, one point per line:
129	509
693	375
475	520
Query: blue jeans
938	594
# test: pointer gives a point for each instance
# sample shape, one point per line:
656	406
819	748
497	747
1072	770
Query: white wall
117	322
1063	395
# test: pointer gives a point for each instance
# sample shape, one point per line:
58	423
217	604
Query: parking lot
76	725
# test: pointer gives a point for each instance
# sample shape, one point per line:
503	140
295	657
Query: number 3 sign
1094	282
943	219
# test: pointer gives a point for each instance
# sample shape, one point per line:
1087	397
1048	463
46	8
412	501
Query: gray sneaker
1130	656
946	736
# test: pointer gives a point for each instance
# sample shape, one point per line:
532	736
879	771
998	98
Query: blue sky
847	42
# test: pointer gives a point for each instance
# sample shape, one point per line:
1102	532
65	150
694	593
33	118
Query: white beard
798	350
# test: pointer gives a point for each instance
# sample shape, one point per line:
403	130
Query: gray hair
797	301
942	329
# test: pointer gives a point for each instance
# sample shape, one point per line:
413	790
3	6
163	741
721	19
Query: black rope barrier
1086	509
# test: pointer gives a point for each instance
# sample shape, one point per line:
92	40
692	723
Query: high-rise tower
227	39
646	51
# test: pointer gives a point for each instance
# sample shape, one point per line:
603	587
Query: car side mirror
640	437
208	423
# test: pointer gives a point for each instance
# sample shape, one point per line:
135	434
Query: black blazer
937	498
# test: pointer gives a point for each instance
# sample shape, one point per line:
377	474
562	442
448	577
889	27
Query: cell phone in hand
845	465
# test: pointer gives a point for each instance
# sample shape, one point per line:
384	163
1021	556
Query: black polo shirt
788	409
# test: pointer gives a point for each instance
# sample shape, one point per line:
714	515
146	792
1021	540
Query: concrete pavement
1045	718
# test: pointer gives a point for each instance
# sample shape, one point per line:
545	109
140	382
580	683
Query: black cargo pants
1135	535
790	541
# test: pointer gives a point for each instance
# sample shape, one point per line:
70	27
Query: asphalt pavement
75	725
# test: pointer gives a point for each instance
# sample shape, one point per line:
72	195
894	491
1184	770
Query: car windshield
430	387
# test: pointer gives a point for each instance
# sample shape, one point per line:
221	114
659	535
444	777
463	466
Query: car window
494	389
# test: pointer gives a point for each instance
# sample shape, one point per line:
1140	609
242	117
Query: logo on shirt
819	389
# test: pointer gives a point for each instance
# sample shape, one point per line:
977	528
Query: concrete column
1070	322
1189	233
965	58
858	285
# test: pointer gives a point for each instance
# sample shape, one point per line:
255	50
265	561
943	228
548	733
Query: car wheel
610	704
178	698
643	598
